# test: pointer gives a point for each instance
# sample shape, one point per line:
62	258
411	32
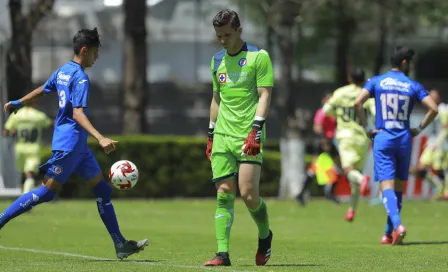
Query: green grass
315	238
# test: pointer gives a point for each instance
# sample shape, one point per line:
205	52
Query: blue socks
392	202
25	203
103	193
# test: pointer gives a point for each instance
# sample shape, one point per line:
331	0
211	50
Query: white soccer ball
123	175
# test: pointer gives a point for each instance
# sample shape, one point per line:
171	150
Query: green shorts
28	162
353	154
226	156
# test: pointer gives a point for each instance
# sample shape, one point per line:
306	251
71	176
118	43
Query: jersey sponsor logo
57	170
63	79
82	81
242	62
393	84
222	77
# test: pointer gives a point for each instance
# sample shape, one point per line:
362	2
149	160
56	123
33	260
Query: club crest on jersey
242	62
222	77
57	170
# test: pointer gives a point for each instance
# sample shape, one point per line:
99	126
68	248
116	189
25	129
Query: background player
70	151
395	95
428	161
324	127
27	125
242	84
353	142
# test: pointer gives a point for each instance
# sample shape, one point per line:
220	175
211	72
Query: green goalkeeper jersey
236	78
29	124
342	104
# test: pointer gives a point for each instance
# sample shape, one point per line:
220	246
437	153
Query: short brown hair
227	16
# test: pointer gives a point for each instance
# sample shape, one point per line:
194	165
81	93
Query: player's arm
79	102
431	113
318	122
330	106
441	137
10	126
359	106
265	81
214	109
30	97
80	118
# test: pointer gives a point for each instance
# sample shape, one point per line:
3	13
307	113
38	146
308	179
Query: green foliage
169	166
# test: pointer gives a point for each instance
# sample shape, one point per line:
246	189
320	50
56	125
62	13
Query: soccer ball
123	175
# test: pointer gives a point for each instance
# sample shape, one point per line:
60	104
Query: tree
135	61
18	63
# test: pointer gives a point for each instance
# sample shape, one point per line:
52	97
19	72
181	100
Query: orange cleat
350	216
365	185
221	259
386	239
398	235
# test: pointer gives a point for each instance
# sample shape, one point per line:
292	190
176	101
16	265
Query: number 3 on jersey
62	99
394	106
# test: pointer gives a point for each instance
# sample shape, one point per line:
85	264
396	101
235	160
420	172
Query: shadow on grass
425	243
127	261
289	265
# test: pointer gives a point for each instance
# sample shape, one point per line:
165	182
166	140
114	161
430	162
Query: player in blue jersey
70	151
395	95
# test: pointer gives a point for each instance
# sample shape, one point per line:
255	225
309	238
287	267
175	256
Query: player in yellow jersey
243	78
441	153
432	157
353	142
27	124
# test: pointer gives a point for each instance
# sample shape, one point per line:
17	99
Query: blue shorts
392	155
62	164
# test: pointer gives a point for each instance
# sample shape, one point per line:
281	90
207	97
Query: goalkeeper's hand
252	143
208	151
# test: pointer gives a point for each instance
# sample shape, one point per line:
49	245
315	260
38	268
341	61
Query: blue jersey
72	85
395	95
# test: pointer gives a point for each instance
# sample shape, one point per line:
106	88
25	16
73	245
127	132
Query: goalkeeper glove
208	151
252	143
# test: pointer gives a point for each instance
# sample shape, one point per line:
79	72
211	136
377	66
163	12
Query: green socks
260	216
224	220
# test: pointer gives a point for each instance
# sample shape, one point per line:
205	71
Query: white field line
67	254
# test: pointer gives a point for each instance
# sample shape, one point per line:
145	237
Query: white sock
29	185
355	177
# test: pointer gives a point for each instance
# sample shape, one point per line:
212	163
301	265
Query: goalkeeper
242	84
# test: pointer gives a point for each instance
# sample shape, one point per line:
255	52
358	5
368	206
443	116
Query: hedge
169	166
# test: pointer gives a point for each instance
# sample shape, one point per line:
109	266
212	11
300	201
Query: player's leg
90	171
224	168
249	181
444	168
20	165
31	167
403	160
249	185
57	169
385	166
352	157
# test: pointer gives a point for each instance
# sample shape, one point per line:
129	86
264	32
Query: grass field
69	236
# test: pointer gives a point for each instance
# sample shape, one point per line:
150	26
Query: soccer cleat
350	215
365	185
386	239
264	250
130	247
398	235
221	259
